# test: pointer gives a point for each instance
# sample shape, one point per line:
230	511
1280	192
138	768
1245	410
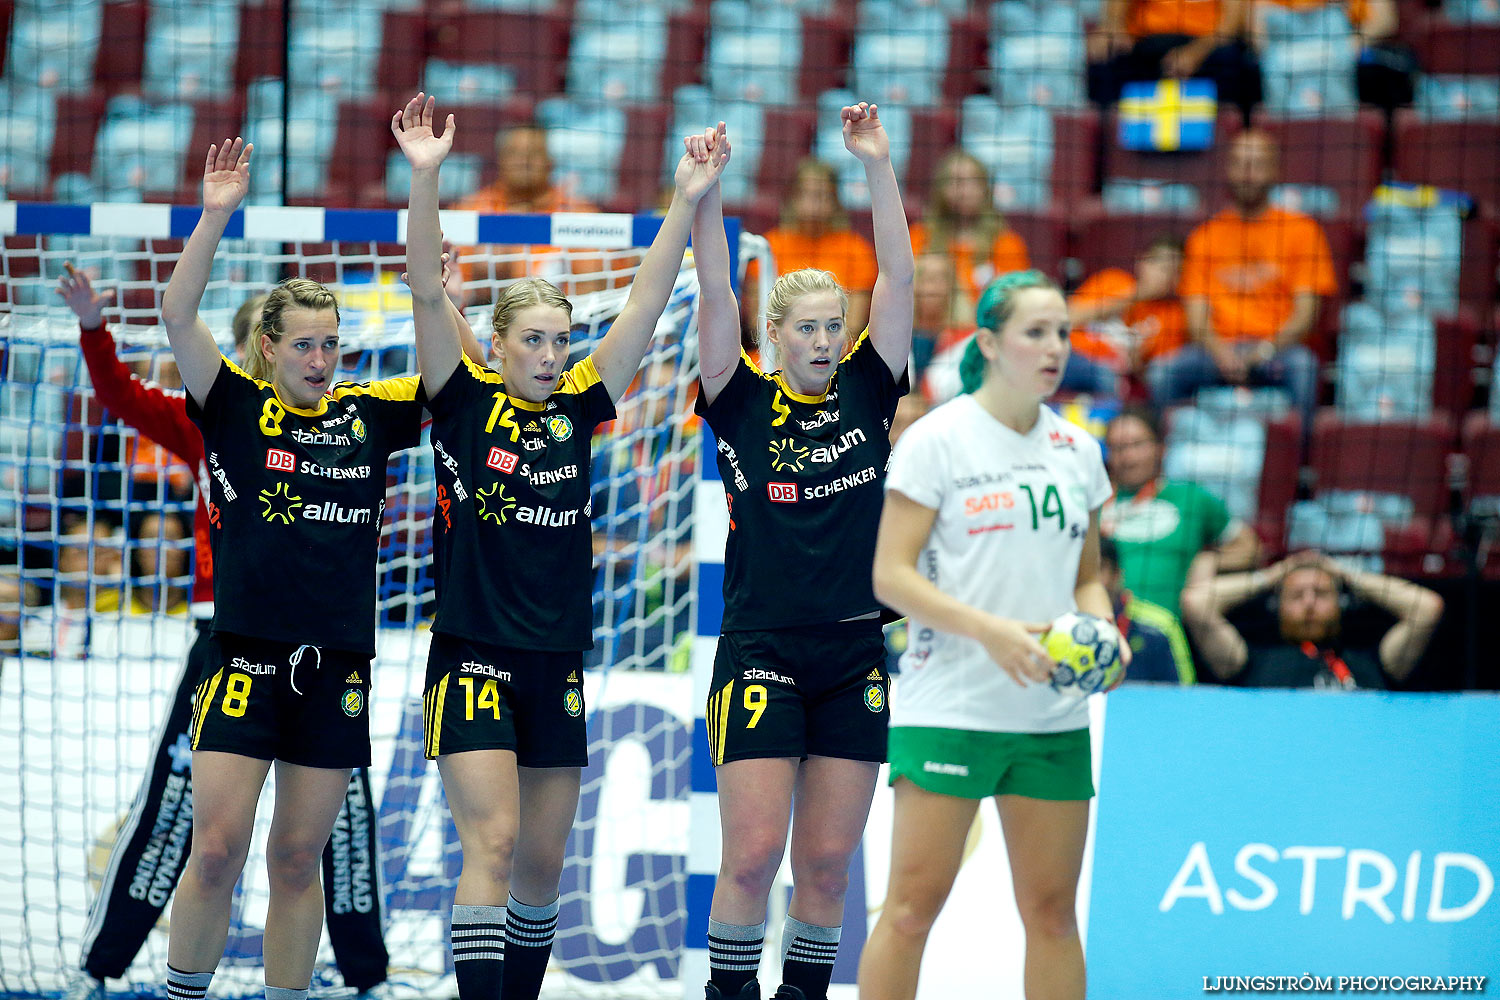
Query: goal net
95	563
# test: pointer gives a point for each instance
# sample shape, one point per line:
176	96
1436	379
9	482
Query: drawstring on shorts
297	658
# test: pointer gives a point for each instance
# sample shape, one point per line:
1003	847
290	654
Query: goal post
93	631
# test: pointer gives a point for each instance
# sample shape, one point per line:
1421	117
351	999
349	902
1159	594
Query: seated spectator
1183	39
1122	320
814	232
1253	278
963	222
1169	533
1158	647
941	313
159	564
90	563
16	596
524	184
1308	649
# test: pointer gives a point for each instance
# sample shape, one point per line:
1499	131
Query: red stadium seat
1075	155
479	124
683	62
1203	170
638	187
1114	239
403	51
1453	376
122	47
261	43
213	121
1477	282
826	46
534	44
356	171
78	119
967	56
1403	458
1444	47
1458	155
7	15
1482	448
1046	237
788	135
934	131
1341	153
1278	480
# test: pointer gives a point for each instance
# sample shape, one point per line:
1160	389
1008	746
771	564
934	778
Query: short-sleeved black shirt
295	504
1286	664
514	552
804	477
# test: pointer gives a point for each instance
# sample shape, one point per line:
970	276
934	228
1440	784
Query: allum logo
787	455
332	512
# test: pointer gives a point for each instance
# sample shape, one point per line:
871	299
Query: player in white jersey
990	531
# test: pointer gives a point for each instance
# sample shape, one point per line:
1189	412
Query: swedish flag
1168	115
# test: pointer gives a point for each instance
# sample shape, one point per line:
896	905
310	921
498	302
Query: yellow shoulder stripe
402	388
580	377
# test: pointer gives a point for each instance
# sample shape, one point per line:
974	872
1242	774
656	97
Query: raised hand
864	136
78	292
412	126
702	163
226	175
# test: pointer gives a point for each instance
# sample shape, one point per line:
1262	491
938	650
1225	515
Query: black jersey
514	552
803	476
295	504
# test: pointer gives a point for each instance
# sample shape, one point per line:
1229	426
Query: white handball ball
1086	649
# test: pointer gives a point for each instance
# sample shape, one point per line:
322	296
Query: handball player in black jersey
504	690
797	706
296	468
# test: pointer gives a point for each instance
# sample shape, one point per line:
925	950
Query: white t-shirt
1012	513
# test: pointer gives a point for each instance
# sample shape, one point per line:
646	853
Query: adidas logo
874	676
353	678
573	677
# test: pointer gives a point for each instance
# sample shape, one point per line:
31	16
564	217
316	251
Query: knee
292	862
488	851
912	912
750	864
824	870
1051	913
218	856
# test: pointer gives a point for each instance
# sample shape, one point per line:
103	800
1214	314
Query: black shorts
483	697
253	701
814	690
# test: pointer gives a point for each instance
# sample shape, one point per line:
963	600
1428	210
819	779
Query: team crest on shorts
357	429
874	697
560	427
573	702
353	702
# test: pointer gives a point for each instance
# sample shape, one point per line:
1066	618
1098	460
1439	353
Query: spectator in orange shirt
1253	277
814	232
1122	320
523	184
1153	39
963	222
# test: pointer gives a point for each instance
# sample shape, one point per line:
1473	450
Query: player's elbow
1196	604
1427	610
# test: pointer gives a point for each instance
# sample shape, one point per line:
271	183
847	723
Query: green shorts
968	764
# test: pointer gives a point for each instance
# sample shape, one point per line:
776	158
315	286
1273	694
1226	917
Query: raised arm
899	584
1417	610
1203	608
619	354
453	285
438	345
891	301
718	311
226	178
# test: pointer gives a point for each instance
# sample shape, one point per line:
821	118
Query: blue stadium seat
460	176
54	46
618	63
1147	196
585	142
1015	144
1340	528
28	122
1036	57
190	51
311	133
141	147
1222	452
336	49
1412	260
1308	61
469	83
900	54
755	64
693	109
1318	200
1442	97
1472	11
1385	365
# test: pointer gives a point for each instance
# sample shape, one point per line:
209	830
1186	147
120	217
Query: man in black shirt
1309	592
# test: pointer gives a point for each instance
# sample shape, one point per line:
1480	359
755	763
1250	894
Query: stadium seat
54	47
336	51
1403	458
1481	442
1412	259
364	130
213	121
190	52
469	85
1045	233
1446	47
1307	61
260	51
1203	170
1453	380
933	131
141	147
1278	480
1385	365
1457	98
1480	271
1222	452
967	56
534	44
788	138
479	124
1342	153
118	68
683	63
1037	55
1139	196
899	55
1456	155
618	64
639	185
585	143
826	43
693	108
1016	146
1075	154
828	145
753	54
398	68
